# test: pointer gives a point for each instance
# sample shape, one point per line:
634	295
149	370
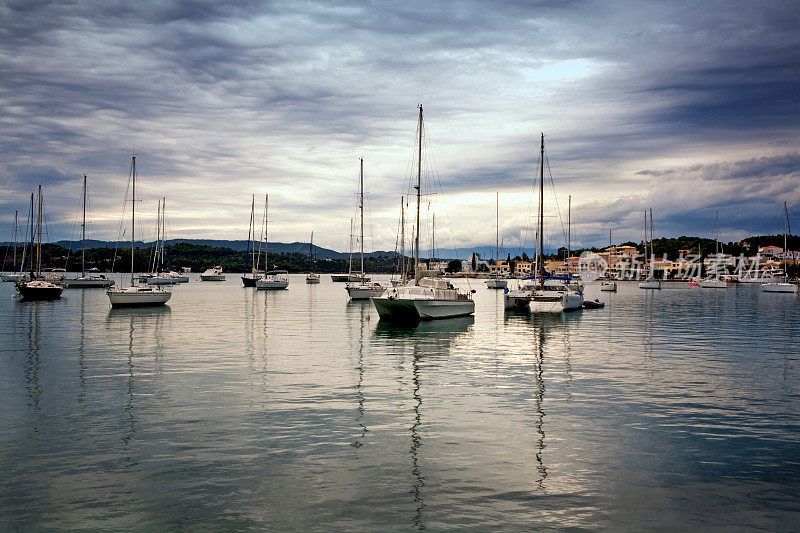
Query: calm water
237	409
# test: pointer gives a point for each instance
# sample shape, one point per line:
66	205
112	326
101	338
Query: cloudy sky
685	107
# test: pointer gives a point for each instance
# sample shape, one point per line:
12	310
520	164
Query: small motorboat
593	304
213	274
608	286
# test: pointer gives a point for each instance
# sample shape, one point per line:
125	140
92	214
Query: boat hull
439	309
567	302
38	293
364	293
395	310
88	283
609	287
138	298
271	285
713	284
517	300
654	285
312	281
249	282
779	287
212	277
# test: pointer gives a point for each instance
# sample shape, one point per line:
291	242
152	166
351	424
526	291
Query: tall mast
39	236
260	237
433	239
716	234
361	209
83	231
30	219
609	238
569	226
652	249
311	252
133	211
785	223
16	221
647	264
249	232
158	237
497	234
418	187
163	229
541	215
402	239
266	234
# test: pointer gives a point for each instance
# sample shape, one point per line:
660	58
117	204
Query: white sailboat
609	285
495	281
541	293
715	281
782	286
312	278
134	296
86	281
422	298
362	289
273	279
650	282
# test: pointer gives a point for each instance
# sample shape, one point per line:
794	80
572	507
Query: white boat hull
496	284
651	284
138	297
312	280
88	283
779	287
713	284
395	309
567	302
518	300
263	284
610	286
16	276
365	292
436	309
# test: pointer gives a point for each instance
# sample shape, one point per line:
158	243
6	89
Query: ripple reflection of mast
33	362
82	351
129	404
359	391
538	400
416	443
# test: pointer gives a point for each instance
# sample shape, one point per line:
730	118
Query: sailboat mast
266	234
311	252
402	239
433	239
16	221
716	234
83	231
133	211
29	248
652	249
418	187
39	236
497	231
569	226
361	209
154	266
785	223
163	229
541	215
647	265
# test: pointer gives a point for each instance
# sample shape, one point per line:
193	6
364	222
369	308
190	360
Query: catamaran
422	298
134	296
542	292
362	290
38	288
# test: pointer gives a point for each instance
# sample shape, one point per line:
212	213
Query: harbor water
237	409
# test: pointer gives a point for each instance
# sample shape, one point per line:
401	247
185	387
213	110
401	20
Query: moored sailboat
134	296
86	281
38	288
312	277
422	298
363	289
272	279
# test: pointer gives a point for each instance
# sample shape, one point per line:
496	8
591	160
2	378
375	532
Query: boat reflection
438	329
358	316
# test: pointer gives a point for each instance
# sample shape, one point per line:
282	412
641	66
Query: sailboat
609	285
782	287
16	274
272	279
544	293
250	281
714	282
422	298
161	276
312	277
38	289
495	281
84	281
134	296
650	282
362	289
